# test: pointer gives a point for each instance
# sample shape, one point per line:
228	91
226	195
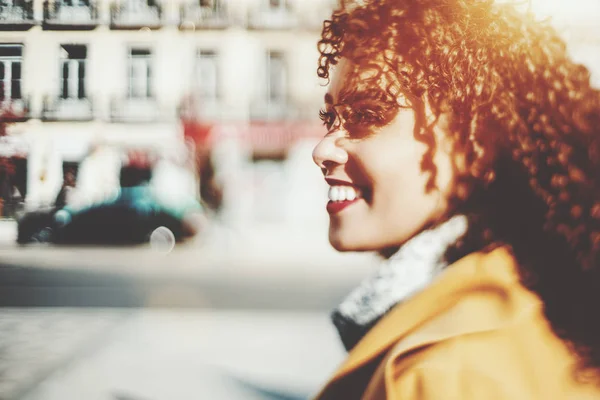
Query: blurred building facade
145	74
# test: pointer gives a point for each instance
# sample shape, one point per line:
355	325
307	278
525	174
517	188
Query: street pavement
234	314
264	267
34	342
166	355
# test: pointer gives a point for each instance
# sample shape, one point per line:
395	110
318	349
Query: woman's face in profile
377	196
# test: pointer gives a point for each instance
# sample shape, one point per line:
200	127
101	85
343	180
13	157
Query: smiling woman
462	137
378	157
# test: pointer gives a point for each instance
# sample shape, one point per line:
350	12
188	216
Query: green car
129	218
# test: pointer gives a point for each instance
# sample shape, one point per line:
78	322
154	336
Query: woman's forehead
350	80
348	76
340	76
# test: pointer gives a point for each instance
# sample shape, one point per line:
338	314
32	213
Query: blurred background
163	232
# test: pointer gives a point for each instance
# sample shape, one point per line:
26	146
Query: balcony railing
135	14
134	110
70	109
14	110
61	16
211	110
17	17
269	111
273	18
195	16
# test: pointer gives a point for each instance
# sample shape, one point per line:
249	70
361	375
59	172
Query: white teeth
343	193
334	193
351	195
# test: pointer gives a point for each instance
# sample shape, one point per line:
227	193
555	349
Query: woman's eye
363	117
361	123
328	118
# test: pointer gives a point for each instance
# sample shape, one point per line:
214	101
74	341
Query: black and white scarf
408	271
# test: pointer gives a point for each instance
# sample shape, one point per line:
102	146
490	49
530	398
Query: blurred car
129	218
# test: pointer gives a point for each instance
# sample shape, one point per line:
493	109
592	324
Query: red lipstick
334	207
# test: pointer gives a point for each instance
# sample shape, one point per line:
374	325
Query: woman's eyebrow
353	95
350	95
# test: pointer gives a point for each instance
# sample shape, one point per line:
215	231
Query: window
12	3
277	3
210	4
73	63
207	74
276	77
140	4
11	60
76	3
140	73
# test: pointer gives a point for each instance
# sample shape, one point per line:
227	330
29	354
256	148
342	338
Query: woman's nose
327	152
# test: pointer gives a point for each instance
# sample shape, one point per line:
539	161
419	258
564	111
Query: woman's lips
334	207
342	194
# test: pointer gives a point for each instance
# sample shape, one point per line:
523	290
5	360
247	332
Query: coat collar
411	269
442	310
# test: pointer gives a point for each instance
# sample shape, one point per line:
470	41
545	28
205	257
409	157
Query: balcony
14	110
271	111
273	18
195	16
61	16
137	110
135	14
70	109
210	110
18	17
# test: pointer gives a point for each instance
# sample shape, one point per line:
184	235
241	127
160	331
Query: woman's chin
344	240
339	246
343	243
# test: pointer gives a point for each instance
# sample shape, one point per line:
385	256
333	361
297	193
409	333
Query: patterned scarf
408	271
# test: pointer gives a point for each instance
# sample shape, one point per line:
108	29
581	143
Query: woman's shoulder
474	333
490	339
501	364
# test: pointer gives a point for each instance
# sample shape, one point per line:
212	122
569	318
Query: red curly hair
523	118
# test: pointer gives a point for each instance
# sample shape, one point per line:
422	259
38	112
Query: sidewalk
35	342
254	323
168	355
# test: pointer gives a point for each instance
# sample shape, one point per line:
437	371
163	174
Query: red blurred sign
197	131
259	136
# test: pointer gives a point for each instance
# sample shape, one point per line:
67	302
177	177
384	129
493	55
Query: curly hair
524	124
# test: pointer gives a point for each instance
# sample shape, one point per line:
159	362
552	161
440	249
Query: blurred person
7	171
173	184
211	191
99	176
63	197
45	175
462	146
137	170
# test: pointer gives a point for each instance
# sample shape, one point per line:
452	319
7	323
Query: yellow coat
474	333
